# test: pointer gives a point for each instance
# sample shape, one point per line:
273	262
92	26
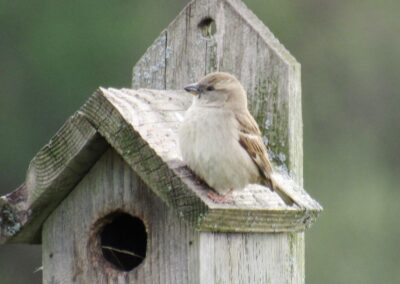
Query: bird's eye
210	88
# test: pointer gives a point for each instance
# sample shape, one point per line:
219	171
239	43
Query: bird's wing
251	141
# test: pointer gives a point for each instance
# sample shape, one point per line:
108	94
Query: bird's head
219	89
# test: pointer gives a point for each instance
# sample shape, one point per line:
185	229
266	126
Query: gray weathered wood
176	253
156	58
251	258
51	175
71	256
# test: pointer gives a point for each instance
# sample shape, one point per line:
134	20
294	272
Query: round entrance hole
207	27
123	240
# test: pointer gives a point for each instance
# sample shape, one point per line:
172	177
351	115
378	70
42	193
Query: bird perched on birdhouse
220	140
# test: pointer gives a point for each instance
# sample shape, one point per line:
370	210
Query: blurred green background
54	54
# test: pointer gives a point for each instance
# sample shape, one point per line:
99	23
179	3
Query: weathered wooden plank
51	175
187	54
186	46
149	71
112	185
251	258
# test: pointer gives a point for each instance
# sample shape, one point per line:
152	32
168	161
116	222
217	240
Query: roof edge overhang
55	170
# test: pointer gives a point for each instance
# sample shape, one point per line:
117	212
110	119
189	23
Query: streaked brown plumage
220	140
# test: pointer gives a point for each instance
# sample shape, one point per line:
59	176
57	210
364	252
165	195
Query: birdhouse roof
141	125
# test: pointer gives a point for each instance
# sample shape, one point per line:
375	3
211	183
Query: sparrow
220	140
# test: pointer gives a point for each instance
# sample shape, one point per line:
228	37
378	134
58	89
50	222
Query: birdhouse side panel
75	235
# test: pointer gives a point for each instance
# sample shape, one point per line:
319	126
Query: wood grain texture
176	253
251	258
51	175
71	256
155	57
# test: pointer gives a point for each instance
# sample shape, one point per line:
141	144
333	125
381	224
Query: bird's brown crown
219	81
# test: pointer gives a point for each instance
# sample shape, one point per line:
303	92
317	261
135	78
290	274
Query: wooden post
243	46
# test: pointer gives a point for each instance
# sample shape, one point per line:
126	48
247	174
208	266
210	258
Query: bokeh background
54	54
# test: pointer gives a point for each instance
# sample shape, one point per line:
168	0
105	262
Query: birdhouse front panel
113	229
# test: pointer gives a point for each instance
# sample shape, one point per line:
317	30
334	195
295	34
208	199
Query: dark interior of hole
124	241
205	22
207	27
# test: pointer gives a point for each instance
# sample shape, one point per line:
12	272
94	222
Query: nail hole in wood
123	241
207	27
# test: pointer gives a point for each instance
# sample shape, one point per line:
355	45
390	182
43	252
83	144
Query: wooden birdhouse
110	199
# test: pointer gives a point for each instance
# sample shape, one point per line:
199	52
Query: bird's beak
194	89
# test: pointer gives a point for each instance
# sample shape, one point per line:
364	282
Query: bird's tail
282	186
